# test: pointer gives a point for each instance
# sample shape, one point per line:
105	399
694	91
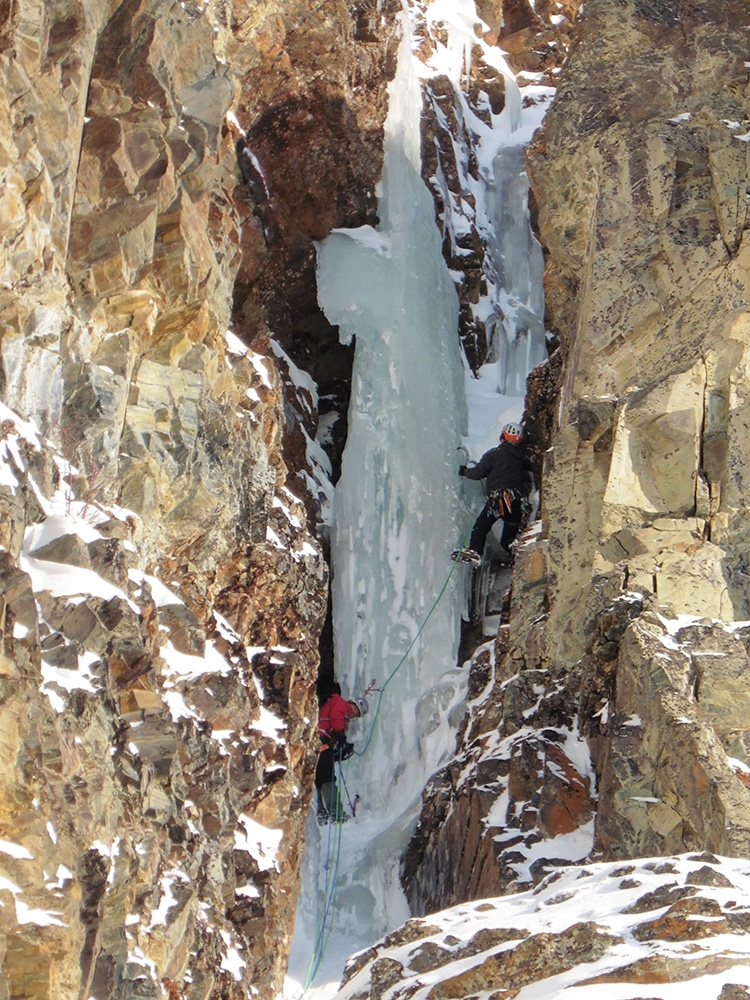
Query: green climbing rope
329	892
389	678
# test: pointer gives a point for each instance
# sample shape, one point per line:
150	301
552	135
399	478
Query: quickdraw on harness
338	743
501	502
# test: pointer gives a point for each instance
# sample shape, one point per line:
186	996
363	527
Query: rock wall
641	178
165	168
516	44
627	595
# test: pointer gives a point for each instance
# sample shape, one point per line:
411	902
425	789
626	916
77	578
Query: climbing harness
500	504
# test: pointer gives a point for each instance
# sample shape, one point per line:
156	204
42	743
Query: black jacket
505	468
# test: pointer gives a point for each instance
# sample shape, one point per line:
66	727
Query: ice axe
466	504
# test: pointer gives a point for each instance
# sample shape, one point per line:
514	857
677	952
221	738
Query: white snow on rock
25	429
274	539
634	720
302	380
160	915
33	915
138	957
178	707
305	550
69	581
675	625
61	580
269	725
70	680
259	364
224	628
602	894
15	850
572	846
189	667
56	525
8	886
62	876
160	592
104	849
291	518
258	841
248	891
235	347
231	960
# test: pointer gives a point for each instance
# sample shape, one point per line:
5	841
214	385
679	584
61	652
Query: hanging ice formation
495	201
395	504
397	513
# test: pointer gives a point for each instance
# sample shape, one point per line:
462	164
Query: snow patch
189	667
15	850
260	842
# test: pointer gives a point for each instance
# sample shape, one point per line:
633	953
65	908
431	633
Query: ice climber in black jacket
508	475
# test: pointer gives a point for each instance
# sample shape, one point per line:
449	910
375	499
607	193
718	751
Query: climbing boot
506	556
467	556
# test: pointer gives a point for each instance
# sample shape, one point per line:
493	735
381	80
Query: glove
462	470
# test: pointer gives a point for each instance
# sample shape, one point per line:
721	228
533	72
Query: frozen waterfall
398	511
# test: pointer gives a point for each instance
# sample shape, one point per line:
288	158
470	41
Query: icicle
459	18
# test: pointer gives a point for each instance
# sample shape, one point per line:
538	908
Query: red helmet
512	433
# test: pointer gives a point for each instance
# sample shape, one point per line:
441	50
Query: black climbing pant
330	808
494	509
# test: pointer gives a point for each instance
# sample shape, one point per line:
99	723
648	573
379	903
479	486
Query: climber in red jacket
333	718
335	714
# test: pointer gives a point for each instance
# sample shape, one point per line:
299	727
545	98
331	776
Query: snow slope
672	928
